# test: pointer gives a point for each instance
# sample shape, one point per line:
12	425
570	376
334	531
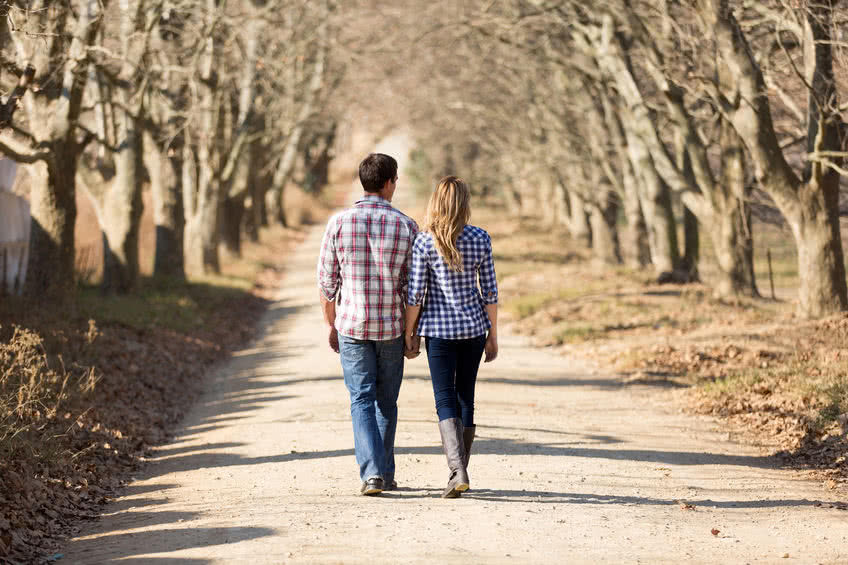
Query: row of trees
616	108
606	109
210	102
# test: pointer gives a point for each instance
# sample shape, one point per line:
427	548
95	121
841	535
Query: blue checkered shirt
454	302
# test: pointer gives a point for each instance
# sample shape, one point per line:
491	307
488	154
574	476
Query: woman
458	317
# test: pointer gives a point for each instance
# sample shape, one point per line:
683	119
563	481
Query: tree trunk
655	200
820	260
636	249
56	40
202	228
255	216
232	213
560	202
603	217
548	199
165	184
691	245
578	219
232	208
317	174
810	205
50	273
275	203
731	234
202	198
733	257
120	218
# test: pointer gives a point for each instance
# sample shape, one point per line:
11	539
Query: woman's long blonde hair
447	214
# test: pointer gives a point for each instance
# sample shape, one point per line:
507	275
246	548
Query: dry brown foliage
81	401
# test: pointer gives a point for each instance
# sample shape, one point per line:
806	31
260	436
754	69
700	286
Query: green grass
836	403
178	305
529	304
576	334
735	382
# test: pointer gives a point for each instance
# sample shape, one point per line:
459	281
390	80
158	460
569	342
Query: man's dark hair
375	170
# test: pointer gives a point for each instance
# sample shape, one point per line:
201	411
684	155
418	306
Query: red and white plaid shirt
364	263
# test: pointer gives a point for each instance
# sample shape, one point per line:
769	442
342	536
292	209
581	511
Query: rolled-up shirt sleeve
417	273
328	264
488	280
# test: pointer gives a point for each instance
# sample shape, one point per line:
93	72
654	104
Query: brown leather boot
454	445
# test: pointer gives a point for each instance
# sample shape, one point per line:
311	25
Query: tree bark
117	193
603	217
655	201
53	113
578	219
636	250
810	205
233	206
120	218
731	234
691	235
51	271
258	181
165	185
202	208
547	204
559	202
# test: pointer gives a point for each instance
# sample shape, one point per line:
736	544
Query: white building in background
14	231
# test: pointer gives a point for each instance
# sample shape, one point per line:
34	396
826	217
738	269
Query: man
362	277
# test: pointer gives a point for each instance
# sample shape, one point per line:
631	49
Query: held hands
334	339
491	348
412	346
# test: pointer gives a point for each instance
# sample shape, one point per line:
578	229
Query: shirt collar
373	199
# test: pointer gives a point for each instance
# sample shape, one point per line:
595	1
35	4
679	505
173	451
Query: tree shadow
589	382
162	561
134	489
125	504
162	541
550	497
203	458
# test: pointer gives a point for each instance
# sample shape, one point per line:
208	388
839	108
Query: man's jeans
372	372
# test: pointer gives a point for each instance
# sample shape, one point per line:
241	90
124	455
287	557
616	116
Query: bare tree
55	38
809	202
114	174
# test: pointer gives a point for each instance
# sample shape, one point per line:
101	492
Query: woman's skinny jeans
453	370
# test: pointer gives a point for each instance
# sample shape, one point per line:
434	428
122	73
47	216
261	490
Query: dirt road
569	466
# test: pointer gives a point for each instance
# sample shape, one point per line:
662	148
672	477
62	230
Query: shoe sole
456	491
372	491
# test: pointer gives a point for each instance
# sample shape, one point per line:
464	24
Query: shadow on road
163	541
207	456
548	497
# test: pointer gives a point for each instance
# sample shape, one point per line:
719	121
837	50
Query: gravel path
569	466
